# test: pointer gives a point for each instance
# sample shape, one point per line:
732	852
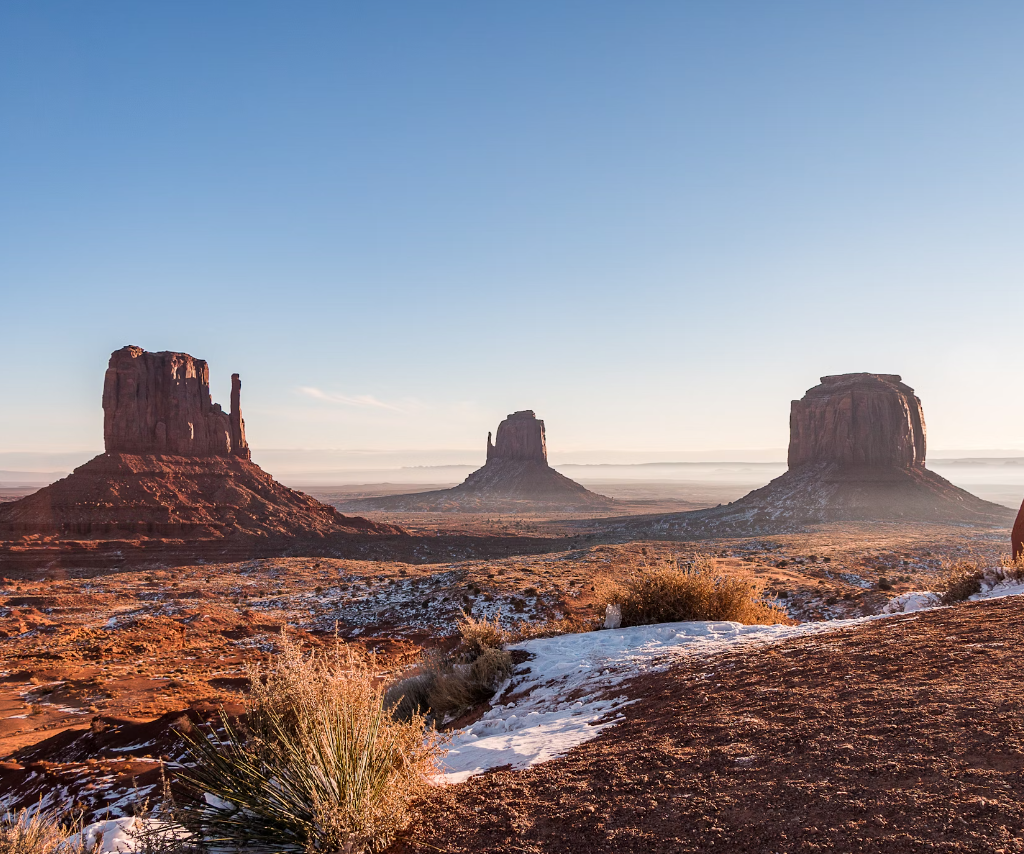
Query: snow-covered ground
920	600
567	695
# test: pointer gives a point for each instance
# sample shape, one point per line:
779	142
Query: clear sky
653	223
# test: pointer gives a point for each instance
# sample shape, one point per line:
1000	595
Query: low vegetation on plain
319	764
681	590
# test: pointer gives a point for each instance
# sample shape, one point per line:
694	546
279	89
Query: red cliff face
858	420
159	403
520	437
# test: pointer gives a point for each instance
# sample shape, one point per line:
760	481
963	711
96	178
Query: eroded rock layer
159	403
521	438
858	420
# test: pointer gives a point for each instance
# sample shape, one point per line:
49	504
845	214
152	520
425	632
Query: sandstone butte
176	474
515	476
857	451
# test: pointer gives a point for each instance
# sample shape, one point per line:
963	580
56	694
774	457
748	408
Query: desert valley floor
891	734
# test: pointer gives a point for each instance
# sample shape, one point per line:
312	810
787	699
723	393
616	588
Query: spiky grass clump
691	590
320	766
38	832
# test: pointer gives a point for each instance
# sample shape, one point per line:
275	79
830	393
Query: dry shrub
962	580
1012	568
676	592
446	684
321	764
480	635
38	832
568	625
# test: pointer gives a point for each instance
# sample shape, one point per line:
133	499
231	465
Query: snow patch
565	695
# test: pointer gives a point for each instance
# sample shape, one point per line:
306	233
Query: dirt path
903	735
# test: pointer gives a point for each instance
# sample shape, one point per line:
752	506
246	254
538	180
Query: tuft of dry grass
571	624
321	765
961	581
38	832
963	578
691	590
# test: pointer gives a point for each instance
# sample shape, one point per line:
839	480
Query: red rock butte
856	453
858	420
176	482
515	476
159	403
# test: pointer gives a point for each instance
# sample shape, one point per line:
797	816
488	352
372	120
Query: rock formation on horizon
159	403
858	420
520	437
857	451
515	477
176	480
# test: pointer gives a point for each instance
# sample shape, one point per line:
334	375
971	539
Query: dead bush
444	685
480	635
962	580
691	590
1012	568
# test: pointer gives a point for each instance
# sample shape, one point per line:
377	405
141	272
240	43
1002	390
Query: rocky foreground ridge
856	453
515	477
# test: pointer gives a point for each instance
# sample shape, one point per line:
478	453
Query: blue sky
653	223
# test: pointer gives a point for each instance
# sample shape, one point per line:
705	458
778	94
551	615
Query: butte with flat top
176	482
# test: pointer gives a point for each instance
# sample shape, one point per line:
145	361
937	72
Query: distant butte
515	476
176	480
856	453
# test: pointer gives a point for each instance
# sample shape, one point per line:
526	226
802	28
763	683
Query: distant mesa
858	420
176	480
515	476
857	451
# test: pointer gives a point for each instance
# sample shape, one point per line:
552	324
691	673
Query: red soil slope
901	735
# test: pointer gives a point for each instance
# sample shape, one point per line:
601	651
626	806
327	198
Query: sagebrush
691	590
320	764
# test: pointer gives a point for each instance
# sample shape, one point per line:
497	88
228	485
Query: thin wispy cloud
362	401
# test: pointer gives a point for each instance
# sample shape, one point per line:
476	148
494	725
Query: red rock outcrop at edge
858	420
159	403
1017	535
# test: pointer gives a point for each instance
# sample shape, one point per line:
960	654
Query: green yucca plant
320	765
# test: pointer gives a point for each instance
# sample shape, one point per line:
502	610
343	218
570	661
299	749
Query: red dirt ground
902	735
